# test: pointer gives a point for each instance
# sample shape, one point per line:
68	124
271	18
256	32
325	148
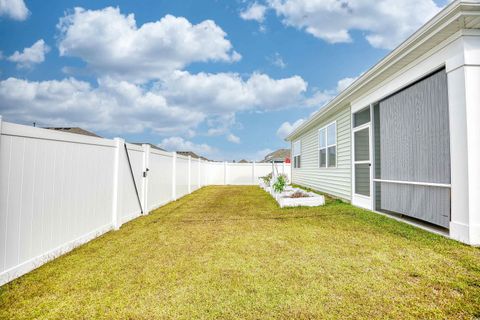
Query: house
277	156
75	130
404	138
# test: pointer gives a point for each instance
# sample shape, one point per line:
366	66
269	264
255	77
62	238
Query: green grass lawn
230	252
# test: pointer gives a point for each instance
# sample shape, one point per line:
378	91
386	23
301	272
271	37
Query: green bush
280	183
266	179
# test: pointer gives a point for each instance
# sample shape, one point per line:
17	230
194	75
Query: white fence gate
59	190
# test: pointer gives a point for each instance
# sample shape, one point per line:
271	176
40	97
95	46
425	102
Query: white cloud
344	83
277	61
318	99
286	128
174	107
255	12
233	138
14	9
180	144
385	22
112	44
113	106
321	97
225	93
30	56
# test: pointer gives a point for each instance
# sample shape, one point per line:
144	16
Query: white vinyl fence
59	190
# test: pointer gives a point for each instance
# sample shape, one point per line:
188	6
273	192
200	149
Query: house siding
335	181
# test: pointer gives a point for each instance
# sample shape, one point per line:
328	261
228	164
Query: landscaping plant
266	179
280	183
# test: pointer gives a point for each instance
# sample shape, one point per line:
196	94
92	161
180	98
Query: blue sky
226	79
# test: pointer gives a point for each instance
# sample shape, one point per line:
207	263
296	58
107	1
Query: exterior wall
460	54
335	181
464	100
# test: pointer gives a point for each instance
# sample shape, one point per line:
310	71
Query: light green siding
335	181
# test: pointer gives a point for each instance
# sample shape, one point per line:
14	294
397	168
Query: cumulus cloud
318	99
233	138
31	55
385	23
254	11
224	93
286	128
180	144
112	44
113	106
14	9
344	83
174	106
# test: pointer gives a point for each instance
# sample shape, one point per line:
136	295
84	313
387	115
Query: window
297	150
361	117
327	146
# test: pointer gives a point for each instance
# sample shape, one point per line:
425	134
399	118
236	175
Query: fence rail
59	190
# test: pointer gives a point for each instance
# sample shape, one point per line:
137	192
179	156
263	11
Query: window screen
414	146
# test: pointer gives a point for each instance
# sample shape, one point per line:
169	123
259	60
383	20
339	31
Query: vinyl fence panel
240	173
160	178
59	190
55	192
129	207
181	174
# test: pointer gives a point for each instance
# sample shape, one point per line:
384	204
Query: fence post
116	183
253	173
146	165
225	173
189	174
174	176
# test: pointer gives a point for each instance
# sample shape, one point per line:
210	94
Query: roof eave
452	9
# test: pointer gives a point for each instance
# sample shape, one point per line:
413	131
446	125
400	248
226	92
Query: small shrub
266	179
280	183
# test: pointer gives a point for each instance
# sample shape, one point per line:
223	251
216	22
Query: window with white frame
327	146
296	152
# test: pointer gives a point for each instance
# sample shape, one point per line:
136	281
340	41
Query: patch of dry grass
230	252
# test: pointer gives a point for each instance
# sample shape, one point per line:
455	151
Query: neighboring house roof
75	130
192	154
277	156
458	15
150	144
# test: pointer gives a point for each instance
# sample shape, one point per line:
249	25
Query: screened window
327	146
297	152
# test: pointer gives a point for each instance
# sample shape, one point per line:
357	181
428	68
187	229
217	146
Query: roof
277	155
458	15
75	130
191	154
150	144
